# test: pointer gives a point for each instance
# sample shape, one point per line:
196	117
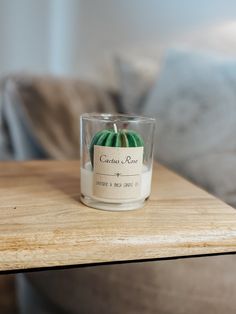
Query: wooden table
43	223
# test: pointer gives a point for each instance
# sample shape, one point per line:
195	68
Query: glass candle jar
116	160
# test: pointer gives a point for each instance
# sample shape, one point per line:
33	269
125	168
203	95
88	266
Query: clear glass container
116	153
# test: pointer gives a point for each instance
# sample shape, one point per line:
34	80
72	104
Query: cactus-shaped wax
115	138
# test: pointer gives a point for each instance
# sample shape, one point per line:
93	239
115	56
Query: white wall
24	35
80	37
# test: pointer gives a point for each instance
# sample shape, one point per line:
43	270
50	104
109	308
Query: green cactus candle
115	138
116	160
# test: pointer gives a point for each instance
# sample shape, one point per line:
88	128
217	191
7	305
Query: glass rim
116	117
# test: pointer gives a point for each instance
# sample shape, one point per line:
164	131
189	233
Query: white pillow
194	101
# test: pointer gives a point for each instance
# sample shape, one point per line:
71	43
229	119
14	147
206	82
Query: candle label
117	172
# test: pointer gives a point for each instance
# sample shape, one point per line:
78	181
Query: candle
116	160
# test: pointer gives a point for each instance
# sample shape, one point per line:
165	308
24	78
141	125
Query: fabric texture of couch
40	115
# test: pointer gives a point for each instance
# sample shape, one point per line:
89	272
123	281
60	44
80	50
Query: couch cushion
194	102
204	285
46	112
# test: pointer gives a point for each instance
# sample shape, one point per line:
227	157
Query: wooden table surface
43	223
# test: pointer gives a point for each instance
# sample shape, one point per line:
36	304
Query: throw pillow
194	102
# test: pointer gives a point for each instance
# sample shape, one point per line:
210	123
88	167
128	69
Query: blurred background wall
80	37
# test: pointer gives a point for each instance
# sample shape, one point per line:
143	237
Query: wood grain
43	223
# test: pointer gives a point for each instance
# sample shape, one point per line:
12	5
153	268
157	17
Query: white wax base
86	175
111	206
